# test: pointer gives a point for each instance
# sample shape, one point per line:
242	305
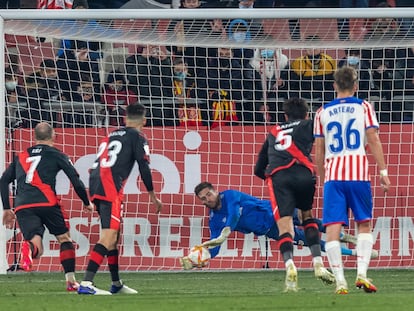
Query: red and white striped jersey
54	4
343	123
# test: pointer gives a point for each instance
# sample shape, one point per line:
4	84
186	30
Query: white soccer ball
199	256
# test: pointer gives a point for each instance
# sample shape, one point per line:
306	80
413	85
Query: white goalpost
213	81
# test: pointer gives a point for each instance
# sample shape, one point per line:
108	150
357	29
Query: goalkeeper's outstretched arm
219	240
186	263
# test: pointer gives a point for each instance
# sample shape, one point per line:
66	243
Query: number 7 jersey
342	123
115	159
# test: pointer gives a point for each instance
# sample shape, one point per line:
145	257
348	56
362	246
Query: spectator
254	26
75	62
14	99
66	44
382	60
34	113
190	4
106	4
294	24
406	24
404	74
47	80
116	97
271	74
10	4
269	86
264	4
362	67
55	4
149	72
343	24
382	77
189	114
42	87
80	4
382	28
264	114
225	74
85	91
404	86
238	32
194	57
79	116
225	87
185	87
312	74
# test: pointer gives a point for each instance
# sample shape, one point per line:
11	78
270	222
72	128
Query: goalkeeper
233	210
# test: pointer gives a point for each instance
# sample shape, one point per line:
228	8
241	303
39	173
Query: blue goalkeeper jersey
241	212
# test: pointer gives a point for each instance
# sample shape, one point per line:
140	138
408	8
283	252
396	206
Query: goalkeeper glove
186	263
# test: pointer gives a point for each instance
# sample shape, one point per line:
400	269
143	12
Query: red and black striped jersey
287	144
343	123
115	159
35	173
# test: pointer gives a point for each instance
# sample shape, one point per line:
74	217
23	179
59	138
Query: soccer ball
199	256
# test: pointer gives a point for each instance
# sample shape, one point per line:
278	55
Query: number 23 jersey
115	159
343	123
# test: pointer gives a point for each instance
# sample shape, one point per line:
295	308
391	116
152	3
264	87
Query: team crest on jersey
147	150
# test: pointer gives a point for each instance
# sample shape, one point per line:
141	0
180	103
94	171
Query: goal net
214	82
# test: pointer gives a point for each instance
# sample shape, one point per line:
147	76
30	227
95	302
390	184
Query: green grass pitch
205	290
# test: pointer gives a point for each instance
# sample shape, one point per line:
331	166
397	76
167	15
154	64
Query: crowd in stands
184	85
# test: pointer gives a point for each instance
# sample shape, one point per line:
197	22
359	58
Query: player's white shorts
338	196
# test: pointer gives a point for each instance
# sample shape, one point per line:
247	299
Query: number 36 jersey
342	123
115	159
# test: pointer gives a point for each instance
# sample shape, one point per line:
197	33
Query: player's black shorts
110	214
32	221
293	188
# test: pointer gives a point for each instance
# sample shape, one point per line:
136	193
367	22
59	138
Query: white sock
364	249
70	277
317	260
117	283
333	251
288	262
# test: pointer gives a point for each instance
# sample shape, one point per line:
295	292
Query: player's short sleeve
317	124
370	116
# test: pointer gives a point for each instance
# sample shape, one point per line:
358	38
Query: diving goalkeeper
233	210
